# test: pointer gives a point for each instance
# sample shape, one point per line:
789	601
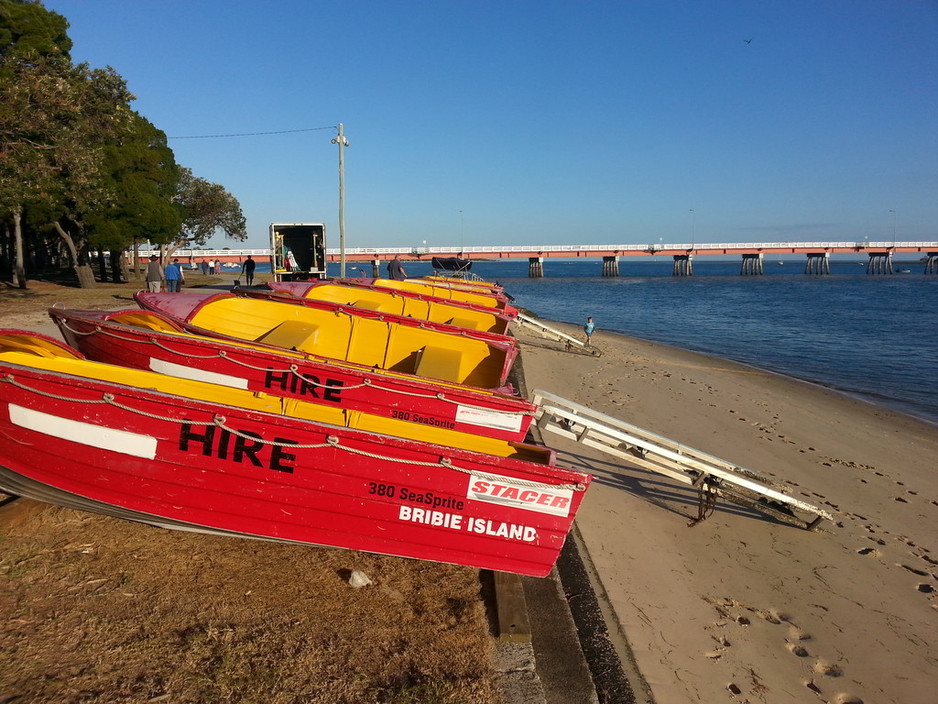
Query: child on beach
588	329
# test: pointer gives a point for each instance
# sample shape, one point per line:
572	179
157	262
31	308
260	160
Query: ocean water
870	336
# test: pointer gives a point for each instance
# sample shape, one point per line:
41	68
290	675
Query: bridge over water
817	254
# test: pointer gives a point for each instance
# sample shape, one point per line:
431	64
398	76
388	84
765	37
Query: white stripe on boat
488	419
84	433
181	371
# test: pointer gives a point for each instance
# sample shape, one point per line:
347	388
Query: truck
297	251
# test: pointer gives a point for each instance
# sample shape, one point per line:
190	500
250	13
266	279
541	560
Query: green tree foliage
142	174
207	208
54	122
28	29
78	164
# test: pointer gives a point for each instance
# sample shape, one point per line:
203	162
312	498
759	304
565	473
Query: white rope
331	440
294	370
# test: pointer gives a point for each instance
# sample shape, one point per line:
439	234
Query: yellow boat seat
292	334
369	304
440	363
466	323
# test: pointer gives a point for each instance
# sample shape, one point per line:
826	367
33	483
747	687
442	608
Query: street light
893	228
693	231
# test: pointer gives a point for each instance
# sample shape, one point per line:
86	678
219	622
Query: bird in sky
748	41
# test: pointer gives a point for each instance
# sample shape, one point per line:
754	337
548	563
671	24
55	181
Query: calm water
871	336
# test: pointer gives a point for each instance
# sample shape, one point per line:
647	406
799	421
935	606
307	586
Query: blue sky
517	122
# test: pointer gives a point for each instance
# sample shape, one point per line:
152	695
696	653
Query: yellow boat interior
389	302
39	353
374	343
442	291
145	320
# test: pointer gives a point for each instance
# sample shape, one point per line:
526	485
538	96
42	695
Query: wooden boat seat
466	323
291	334
440	363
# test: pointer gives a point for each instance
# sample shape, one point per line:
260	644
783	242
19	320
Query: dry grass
98	610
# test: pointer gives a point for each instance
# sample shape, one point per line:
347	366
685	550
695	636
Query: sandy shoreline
740	607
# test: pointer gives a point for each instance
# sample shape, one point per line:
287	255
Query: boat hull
146	340
178	462
367	338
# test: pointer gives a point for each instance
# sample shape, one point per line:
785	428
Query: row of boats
368	414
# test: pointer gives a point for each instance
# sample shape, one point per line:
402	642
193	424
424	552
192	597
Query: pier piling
818	263
535	267
683	265
880	263
610	266
752	265
931	263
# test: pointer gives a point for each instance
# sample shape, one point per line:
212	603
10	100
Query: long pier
817	254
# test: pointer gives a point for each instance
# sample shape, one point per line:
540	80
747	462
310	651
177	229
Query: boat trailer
544	330
710	475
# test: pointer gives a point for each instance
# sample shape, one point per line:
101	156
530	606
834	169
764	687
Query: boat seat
292	334
440	363
467	323
369	304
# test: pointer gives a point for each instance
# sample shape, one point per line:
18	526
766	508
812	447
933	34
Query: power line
253	134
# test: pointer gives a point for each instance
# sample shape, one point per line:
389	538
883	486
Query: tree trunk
85	275
19	271
135	266
102	266
82	271
118	266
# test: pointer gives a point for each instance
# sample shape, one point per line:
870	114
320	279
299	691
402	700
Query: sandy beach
741	607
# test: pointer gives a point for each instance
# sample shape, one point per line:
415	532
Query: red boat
147	340
352	292
369	338
189	455
488	296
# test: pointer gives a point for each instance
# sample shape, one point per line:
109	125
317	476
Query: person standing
588	329
395	270
154	274
204	265
174	277
247	268
218	266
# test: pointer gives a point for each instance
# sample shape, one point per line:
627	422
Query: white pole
343	143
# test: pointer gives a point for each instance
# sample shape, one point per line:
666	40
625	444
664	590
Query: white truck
297	251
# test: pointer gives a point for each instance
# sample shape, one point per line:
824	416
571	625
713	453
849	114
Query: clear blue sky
541	122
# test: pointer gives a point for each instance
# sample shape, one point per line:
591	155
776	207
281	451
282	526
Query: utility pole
343	143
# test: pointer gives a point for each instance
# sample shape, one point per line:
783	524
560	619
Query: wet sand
741	607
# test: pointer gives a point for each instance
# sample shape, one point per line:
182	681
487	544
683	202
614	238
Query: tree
27	29
207	208
143	176
55	120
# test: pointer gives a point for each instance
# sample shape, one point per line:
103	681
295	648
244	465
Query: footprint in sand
828	669
797	650
920	573
925	588
844	698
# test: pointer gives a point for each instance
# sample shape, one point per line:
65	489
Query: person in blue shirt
588	329
396	270
174	277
